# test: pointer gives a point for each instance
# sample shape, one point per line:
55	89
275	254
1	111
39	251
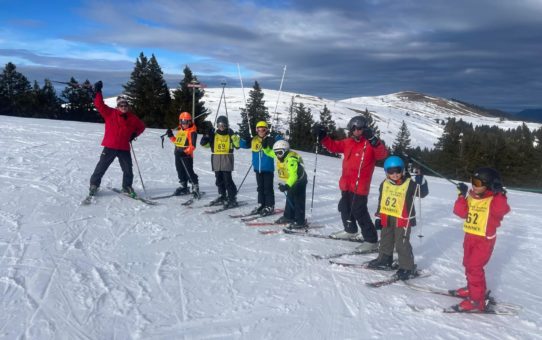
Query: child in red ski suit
483	209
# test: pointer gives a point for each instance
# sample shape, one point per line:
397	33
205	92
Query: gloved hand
418	179
319	131
462	188
267	142
235	139
98	86
368	133
189	150
133	136
378	224
169	133
283	187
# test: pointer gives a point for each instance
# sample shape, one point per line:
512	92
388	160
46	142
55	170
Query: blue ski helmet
394	162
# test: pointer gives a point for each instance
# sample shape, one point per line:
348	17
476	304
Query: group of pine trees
516	153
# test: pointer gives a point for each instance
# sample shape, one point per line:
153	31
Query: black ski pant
266	194
106	158
225	184
295	203
185	168
353	208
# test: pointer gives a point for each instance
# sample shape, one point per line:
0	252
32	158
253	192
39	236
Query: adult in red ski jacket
483	208
361	151
121	127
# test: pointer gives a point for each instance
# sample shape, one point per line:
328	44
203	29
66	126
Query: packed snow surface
121	269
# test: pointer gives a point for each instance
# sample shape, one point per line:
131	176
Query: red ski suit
118	126
477	249
356	152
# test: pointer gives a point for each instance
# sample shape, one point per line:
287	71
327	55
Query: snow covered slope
120	269
423	114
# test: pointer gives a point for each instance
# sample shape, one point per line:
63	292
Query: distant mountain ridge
530	115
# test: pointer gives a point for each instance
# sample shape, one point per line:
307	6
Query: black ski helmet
489	177
222	120
357	122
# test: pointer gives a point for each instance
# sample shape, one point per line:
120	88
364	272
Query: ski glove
319	131
369	135
378	224
419	179
133	136
265	143
462	188
98	86
169	133
283	187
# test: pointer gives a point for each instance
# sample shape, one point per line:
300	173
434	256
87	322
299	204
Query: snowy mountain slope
423	114
125	270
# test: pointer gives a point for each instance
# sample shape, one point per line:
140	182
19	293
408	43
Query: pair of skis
92	198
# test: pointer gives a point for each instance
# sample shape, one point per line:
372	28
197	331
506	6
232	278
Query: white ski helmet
281	147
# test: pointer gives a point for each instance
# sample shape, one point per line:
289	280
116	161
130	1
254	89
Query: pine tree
371	122
147	91
15	92
45	102
326	121
401	145
301	137
254	112
182	102
79	102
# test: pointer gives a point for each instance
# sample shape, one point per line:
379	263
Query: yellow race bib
180	138
222	144
476	221
256	144
393	199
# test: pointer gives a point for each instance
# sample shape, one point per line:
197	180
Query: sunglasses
394	170
356	128
476	182
184	121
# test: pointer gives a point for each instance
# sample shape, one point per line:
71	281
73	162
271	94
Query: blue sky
485	52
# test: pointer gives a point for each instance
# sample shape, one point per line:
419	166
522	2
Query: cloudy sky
487	52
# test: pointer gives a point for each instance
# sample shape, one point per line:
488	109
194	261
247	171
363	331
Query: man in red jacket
483	209
121	127
361	151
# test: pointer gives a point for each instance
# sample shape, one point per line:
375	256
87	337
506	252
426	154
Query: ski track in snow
121	269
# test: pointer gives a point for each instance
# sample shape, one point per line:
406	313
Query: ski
394	278
444	292
364	265
239	204
302	232
193	199
489	310
282	231
336	255
246	217
137	198
265	224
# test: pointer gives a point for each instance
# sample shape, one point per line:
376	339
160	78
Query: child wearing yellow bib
396	217
483	208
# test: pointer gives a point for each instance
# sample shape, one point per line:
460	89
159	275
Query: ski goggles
394	170
222	125
476	182
280	152
355	127
184	121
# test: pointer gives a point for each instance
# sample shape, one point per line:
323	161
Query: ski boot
460	292
195	191
129	191
92	190
382	262
182	190
295	225
283	220
266	211
257	210
406	274
231	203
218	201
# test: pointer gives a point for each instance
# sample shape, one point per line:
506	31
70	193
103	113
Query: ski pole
139	171
357	182
428	168
419	188
314	172
188	174
220	102
244	178
162	137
